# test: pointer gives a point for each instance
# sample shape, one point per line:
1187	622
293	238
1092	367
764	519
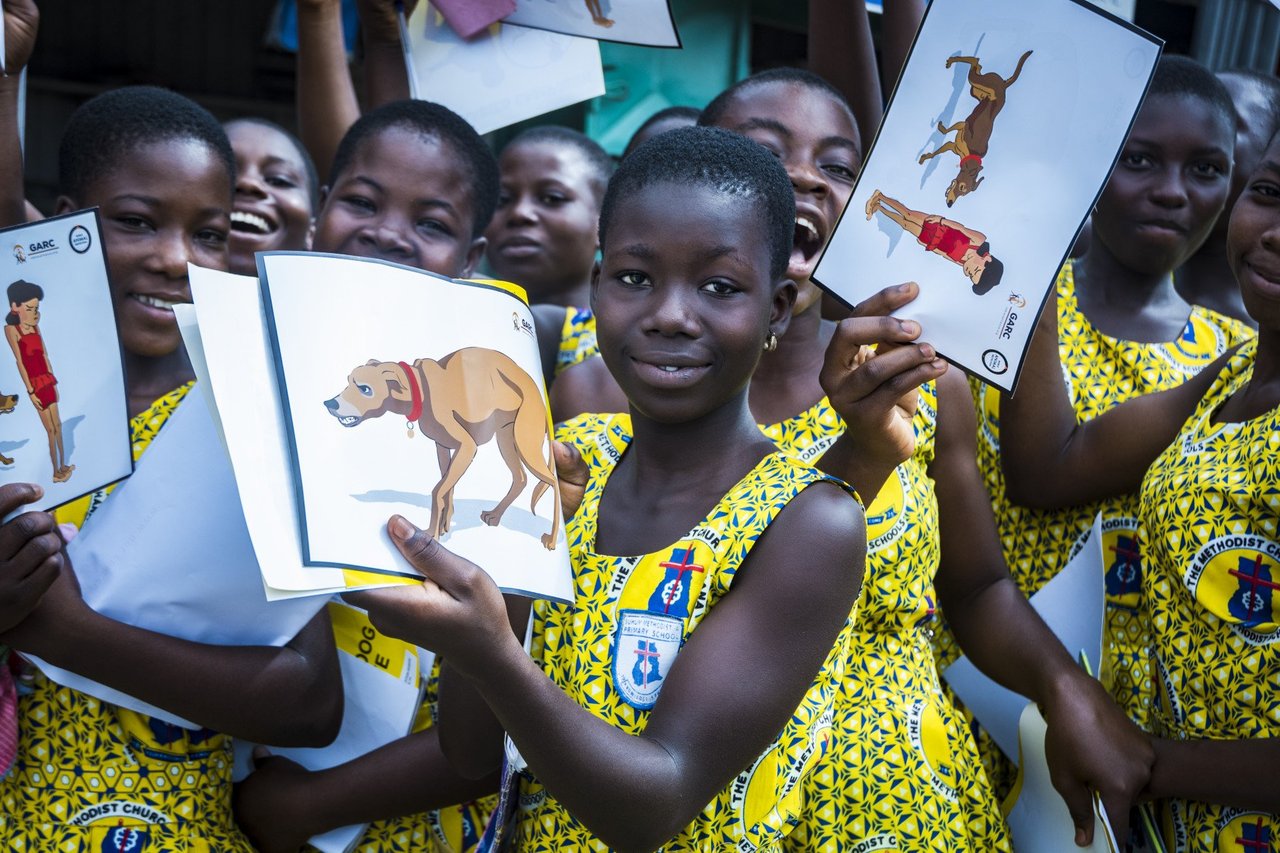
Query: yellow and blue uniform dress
92	777
1101	372
577	338
612	649
454	829
1210	508
904	773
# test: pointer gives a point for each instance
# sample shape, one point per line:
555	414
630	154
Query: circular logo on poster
995	361
79	239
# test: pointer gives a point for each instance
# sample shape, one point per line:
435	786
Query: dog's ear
371	362
978	183
395	383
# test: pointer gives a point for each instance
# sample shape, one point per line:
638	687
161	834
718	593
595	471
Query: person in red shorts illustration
962	246
22	330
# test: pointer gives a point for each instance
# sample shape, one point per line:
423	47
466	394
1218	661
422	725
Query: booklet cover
63	406
397	392
1002	132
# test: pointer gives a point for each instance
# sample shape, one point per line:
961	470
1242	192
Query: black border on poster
1017	373
675	30
294	469
124	378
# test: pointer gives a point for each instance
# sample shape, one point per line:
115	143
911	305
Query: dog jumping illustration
973	135
7	404
460	402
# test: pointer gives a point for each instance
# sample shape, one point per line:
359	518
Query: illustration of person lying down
944	237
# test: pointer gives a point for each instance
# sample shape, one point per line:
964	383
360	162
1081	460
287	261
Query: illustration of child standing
22	329
944	237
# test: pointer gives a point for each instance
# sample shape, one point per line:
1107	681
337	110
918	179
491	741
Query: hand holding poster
62	393
1000	136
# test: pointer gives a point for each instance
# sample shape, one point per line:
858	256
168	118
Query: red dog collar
971	158
415	411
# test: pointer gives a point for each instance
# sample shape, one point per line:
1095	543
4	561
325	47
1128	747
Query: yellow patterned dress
1210	508
455	829
611	651
577	338
1101	373
904	773
92	777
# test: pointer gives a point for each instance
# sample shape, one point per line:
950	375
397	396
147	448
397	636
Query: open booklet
350	390
1002	131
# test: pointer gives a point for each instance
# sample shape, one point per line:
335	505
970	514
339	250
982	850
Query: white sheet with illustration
643	22
1003	129
64	420
502	76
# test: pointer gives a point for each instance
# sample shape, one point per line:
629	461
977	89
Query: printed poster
64	420
502	76
1000	136
409	393
643	22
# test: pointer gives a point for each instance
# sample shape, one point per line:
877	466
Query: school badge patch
1122	556
1253	832
644	649
1198	345
1237	578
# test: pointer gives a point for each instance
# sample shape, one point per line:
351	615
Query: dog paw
491	518
548	542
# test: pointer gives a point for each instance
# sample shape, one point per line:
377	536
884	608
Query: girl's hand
30	555
572	474
271	804
21	21
35	401
457	612
1092	746
380	19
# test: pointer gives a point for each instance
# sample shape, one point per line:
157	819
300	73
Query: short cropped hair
438	123
714	111
717	160
110	126
687	115
1181	76
1270	84
597	158
308	167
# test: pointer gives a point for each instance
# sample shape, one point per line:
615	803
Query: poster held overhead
62	393
1000	136
501	76
643	22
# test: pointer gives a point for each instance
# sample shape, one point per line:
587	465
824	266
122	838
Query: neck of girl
1262	394
786	381
149	378
1206	279
566	294
688	456
1125	303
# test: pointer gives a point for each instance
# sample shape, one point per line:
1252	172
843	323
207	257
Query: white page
63	257
169	551
1072	606
381	703
643	22
1039	821
235	353
473	351
497	80
2	41
1086	72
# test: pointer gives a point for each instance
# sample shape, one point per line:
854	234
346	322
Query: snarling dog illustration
7	404
460	402
973	135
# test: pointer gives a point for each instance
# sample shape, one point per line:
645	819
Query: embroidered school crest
124	839
1122	556
887	516
644	649
1198	345
1237	578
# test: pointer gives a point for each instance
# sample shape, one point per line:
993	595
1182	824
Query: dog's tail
1018	70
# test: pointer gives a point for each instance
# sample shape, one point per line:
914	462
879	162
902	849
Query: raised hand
21	21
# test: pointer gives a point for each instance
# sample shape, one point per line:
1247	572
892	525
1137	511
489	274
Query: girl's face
404	198
543	234
163	205
684	301
272	200
1253	241
28	312
817	141
1169	185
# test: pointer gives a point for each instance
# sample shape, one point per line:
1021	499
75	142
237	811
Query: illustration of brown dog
973	135
460	402
7	404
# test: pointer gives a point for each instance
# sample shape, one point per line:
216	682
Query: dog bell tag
410	425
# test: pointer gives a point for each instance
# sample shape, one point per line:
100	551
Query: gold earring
771	343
